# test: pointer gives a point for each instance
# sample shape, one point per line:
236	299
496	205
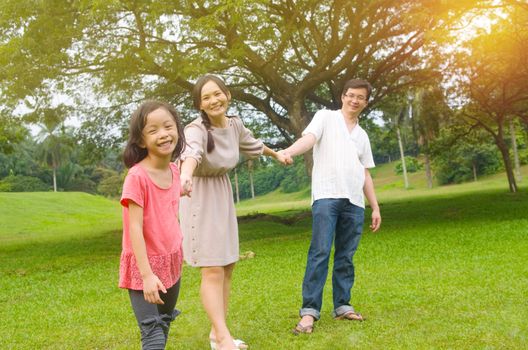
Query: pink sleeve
133	189
176	180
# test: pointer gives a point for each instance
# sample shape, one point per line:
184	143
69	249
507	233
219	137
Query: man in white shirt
340	180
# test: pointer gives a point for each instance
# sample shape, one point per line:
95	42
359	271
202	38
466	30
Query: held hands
186	185
151	287
284	157
376	220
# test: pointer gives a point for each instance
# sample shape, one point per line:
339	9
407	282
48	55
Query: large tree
284	58
493	80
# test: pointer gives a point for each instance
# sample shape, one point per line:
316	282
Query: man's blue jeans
339	216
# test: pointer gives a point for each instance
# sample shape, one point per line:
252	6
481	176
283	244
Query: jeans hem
311	312
343	309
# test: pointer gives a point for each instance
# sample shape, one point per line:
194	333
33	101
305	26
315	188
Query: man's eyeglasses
359	98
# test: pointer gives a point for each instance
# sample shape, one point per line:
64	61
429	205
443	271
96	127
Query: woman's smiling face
213	100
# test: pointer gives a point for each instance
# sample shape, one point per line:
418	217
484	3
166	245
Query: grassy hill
389	188
447	271
48	216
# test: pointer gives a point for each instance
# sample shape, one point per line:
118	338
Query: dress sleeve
316	126
249	146
196	139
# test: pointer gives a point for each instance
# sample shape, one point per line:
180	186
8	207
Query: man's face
354	101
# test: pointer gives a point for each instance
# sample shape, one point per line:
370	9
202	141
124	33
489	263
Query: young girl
151	259
209	221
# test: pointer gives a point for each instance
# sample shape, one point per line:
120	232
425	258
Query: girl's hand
151	287
186	185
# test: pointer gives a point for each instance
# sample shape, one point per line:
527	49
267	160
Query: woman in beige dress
208	216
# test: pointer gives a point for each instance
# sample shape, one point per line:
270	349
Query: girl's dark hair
197	101
133	152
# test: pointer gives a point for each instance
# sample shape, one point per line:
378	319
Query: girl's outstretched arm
151	282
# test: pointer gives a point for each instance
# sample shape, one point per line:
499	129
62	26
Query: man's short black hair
357	84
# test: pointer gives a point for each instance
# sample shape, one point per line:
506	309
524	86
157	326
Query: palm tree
53	139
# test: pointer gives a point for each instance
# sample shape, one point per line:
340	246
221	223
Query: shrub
462	161
111	186
82	184
20	183
412	164
295	177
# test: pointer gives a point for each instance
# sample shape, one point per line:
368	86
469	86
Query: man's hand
284	157
376	220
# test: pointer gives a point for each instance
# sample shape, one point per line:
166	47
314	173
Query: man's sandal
300	329
350	316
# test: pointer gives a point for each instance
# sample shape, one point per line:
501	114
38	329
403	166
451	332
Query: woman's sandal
351	316
239	343
300	329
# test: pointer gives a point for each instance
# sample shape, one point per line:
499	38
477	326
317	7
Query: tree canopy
284	58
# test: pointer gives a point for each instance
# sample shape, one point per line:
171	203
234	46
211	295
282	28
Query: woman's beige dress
208	218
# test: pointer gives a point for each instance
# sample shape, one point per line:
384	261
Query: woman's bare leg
212	291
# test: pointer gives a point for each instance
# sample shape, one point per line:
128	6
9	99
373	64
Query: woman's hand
151	287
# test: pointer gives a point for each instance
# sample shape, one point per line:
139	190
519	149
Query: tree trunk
474	167
251	185
308	162
428	173
515	151
300	118
236	187
54	179
400	143
499	141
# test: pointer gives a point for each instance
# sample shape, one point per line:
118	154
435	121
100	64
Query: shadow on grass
59	255
481	207
485	206
451	209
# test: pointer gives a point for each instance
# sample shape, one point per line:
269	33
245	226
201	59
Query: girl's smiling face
160	134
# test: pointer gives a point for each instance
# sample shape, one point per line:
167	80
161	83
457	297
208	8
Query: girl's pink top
161	229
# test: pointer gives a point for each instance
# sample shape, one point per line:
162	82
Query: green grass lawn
448	270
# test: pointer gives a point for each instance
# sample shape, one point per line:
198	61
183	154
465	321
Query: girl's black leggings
154	320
